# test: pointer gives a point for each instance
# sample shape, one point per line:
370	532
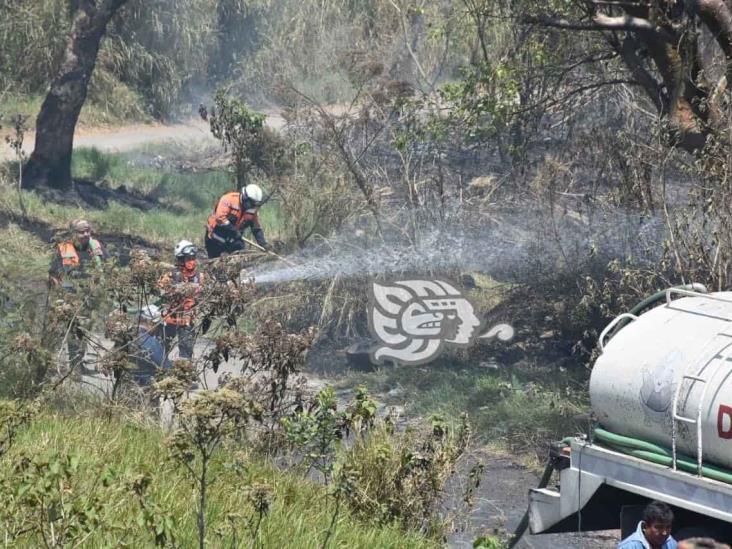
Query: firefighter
72	261
74	256
233	214
180	288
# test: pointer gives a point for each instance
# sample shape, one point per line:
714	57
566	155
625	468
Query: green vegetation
24	254
93	115
299	512
179	202
509	407
160	54
149	56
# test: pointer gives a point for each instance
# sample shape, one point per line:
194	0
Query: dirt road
125	138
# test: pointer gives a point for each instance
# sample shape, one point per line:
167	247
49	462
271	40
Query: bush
388	477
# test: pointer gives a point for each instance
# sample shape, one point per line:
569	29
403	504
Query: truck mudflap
548	508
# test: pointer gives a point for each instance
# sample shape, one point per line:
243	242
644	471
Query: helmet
253	193
184	248
150	313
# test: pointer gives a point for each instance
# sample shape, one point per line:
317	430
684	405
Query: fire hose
659	455
270	252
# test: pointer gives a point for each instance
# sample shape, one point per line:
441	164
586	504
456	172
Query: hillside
425	214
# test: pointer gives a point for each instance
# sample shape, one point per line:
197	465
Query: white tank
641	370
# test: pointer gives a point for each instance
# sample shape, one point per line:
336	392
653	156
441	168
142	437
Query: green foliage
296	511
484	99
26	359
154	51
44	502
488	542
384	477
24	264
243	133
315	197
94	165
32	37
161	49
151	517
15	415
387	477
316	432
54	499
204	422
522	410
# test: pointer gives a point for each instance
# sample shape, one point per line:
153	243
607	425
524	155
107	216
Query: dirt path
125	138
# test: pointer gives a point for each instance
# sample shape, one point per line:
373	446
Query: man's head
185	255
80	232
657	520
251	197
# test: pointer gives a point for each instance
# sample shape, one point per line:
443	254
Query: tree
662	44
50	162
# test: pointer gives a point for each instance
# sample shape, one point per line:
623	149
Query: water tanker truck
661	424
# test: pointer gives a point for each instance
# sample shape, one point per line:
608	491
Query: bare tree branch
599	22
650	85
717	16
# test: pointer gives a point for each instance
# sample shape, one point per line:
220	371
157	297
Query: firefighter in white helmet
233	214
180	288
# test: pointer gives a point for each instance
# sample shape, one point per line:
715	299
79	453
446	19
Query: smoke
511	247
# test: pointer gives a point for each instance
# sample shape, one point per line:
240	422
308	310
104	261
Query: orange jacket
70	257
228	210
181	312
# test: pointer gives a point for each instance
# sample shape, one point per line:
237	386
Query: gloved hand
228	232
261	242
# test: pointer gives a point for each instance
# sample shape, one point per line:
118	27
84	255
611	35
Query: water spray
508	250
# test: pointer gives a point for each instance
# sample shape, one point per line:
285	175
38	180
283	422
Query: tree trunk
50	162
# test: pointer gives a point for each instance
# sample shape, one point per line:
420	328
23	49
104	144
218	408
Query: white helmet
253	192
150	313
184	247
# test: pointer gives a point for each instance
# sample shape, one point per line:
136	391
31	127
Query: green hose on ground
660	455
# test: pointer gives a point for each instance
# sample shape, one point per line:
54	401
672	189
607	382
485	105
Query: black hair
657	512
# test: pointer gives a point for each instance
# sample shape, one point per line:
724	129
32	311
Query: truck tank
675	357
